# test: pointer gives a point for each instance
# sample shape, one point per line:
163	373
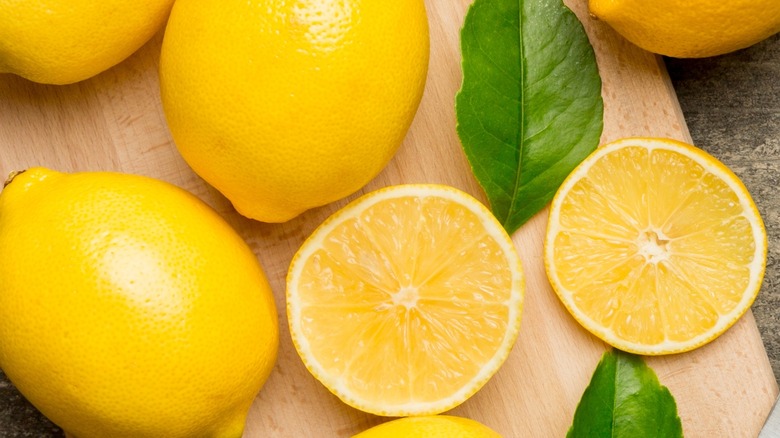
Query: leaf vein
521	127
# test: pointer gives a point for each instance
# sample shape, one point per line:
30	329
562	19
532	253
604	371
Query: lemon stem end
11	177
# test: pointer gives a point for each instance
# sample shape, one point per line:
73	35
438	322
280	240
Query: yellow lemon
692	28
435	426
66	41
655	246
407	300
284	106
129	308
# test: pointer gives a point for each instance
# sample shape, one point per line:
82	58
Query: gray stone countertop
732	106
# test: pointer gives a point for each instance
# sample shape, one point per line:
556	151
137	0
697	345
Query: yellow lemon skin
66	41
690	29
129	308
285	106
434	426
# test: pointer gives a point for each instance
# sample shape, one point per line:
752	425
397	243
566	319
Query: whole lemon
129	308
433	426
284	106
692	28
66	41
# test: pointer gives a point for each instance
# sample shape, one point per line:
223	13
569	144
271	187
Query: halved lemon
654	246
407	300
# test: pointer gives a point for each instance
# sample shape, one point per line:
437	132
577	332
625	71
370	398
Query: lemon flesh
655	246
406	301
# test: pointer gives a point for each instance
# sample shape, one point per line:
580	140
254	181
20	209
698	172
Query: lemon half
407	300
655	246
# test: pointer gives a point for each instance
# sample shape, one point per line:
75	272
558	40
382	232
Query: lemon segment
655	246
407	300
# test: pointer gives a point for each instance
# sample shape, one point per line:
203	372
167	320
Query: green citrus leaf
625	400
529	108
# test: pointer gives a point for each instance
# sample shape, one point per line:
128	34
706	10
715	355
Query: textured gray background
732	106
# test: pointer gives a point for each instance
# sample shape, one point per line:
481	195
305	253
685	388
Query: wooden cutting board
115	122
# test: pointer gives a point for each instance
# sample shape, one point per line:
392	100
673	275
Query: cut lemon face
407	300
654	246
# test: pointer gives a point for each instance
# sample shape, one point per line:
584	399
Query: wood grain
115	122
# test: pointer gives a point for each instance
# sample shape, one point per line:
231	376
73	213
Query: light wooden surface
115	122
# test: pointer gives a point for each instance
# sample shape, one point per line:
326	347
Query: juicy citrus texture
128	308
66	41
655	246
284	106
435	426
693	28
407	300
